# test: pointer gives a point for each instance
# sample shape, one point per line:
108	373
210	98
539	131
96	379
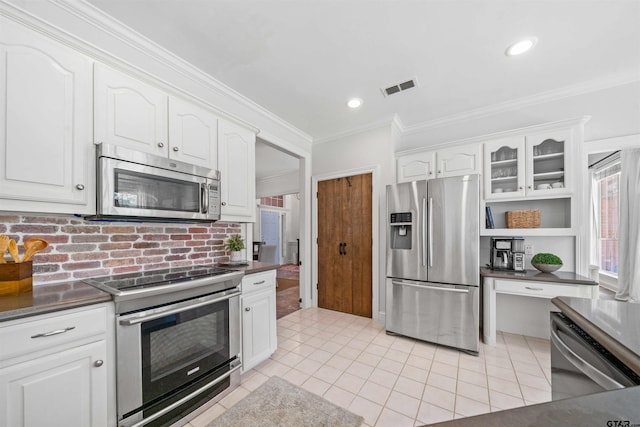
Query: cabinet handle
247	309
80	187
533	289
175	149
98	363
160	144
56	332
259	283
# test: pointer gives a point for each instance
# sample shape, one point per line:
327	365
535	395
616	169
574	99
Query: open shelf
555	217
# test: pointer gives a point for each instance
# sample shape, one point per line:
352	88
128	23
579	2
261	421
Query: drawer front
50	331
259	282
540	289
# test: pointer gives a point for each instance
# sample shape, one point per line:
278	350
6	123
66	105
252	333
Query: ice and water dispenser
400	228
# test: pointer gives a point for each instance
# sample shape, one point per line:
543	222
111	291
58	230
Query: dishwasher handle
582	365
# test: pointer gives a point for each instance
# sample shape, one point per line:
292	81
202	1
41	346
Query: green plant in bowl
546	263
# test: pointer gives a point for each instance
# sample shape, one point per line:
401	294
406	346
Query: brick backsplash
80	249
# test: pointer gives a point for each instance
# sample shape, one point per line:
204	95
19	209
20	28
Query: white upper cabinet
454	161
45	124
129	113
193	134
417	166
504	175
548	170
461	160
141	117
236	162
534	165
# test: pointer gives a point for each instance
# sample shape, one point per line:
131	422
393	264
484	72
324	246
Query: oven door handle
582	365
178	309
186	398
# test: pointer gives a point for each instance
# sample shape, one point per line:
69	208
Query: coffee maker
507	253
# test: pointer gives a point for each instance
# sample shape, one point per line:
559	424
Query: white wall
278	185
340	157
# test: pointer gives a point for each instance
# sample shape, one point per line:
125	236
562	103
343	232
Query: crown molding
116	29
543	127
354	131
618	79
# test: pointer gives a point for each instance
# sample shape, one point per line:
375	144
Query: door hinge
316	194
316	240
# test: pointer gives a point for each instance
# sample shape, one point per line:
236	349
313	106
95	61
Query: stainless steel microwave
145	187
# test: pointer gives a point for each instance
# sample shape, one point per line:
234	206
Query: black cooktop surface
155	278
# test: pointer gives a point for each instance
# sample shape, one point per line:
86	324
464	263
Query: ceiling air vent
400	87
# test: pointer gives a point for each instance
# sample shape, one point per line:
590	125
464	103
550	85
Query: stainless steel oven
136	185
177	341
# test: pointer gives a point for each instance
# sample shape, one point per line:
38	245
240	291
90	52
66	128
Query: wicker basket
523	219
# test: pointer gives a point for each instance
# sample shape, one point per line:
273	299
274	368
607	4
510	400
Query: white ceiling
302	59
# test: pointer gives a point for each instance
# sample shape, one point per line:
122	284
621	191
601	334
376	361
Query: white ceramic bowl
546	268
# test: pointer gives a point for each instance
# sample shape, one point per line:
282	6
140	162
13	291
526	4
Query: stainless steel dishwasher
580	365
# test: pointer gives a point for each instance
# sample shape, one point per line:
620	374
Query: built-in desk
519	302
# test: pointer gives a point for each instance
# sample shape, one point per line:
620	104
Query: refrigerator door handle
585	367
430	237
424	231
436	288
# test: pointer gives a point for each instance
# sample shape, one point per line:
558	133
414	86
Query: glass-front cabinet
547	166
504	168
526	166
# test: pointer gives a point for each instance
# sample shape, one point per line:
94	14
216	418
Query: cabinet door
258	328
236	162
193	134
45	123
504	168
63	389
548	168
458	161
129	112
414	167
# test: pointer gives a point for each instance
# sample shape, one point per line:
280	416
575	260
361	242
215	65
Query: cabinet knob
98	363
521	187
247	309
80	187
430	173
224	203
529	187
439	171
160	144
175	148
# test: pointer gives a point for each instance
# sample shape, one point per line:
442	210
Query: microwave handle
204	197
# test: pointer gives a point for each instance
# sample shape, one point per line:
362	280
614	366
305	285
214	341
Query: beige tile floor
397	381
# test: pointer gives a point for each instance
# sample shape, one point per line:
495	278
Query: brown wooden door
344	244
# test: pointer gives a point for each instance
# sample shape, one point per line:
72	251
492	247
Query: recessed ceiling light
521	46
354	102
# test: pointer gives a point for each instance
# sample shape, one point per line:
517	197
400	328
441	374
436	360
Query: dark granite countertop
614	324
252	267
592	410
47	298
556	277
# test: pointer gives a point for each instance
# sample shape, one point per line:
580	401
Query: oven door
127	189
162	350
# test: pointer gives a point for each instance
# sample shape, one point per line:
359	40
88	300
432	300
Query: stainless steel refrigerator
433	265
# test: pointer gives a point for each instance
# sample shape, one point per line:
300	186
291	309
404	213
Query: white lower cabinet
522	306
56	370
258	302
